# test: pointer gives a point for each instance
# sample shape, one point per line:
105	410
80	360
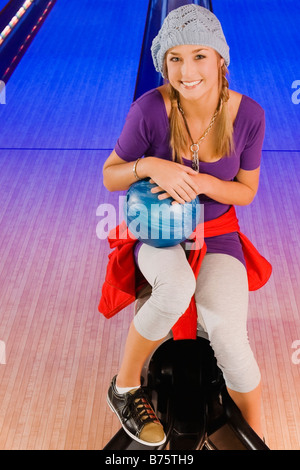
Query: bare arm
240	192
174	178
117	174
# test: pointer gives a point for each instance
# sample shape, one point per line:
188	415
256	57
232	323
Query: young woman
197	137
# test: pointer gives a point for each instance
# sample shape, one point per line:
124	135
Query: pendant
195	150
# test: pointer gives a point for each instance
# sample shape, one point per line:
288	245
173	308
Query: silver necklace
196	145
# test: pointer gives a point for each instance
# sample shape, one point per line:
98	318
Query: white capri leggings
221	295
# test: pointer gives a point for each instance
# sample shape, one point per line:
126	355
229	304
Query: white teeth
191	84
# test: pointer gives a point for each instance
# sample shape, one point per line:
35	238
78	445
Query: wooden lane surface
61	354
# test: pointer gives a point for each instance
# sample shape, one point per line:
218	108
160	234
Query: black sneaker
136	415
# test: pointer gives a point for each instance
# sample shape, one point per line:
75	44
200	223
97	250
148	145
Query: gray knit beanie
189	24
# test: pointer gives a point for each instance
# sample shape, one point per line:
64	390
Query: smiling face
193	70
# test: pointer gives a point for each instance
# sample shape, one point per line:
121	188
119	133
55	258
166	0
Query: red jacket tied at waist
123	279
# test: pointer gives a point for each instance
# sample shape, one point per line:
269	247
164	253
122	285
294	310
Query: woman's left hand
200	180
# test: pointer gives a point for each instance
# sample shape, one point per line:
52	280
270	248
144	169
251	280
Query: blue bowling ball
157	222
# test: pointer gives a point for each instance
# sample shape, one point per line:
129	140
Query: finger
191	187
171	195
187	192
157	189
177	196
163	196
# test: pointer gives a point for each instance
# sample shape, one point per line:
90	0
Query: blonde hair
179	139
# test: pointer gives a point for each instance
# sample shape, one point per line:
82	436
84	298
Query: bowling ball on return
159	223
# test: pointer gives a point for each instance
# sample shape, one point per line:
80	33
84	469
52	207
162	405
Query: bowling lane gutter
21	36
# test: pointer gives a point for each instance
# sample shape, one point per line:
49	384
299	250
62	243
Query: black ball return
188	393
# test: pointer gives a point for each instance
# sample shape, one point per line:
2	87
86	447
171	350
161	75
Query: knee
236	360
173	295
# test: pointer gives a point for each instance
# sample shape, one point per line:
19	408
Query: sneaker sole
152	444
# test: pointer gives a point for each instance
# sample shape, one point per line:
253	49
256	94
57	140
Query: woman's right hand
172	179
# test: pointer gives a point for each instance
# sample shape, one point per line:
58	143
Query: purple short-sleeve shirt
146	132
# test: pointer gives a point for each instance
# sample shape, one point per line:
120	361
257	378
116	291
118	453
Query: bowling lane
74	85
264	43
72	90
264	40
